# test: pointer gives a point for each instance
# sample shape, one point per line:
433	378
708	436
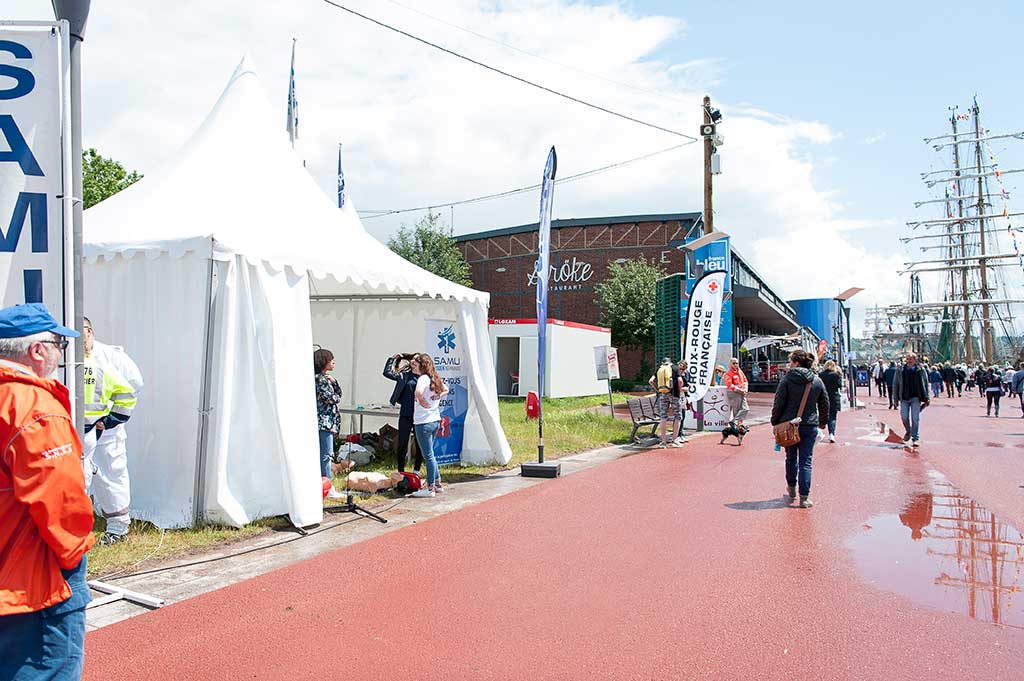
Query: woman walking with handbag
800	409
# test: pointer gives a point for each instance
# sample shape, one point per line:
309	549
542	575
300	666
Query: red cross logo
713	286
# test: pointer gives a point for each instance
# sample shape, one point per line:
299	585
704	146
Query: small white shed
570	370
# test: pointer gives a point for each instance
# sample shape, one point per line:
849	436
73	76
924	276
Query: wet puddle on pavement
946	551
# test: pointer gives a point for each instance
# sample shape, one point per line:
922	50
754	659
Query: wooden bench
644	412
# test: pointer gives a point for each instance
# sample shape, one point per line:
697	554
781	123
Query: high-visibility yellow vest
106	392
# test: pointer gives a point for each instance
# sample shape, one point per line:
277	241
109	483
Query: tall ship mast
966	274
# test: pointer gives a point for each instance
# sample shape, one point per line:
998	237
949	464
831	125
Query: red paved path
668	564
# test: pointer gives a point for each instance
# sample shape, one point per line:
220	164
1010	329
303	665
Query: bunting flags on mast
293	104
341	181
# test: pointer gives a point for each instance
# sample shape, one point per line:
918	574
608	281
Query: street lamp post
76	12
847	346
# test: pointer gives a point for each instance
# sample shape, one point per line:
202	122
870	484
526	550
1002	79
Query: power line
538	56
372	213
509	75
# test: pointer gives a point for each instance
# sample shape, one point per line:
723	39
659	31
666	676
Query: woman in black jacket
815	414
833	382
398	370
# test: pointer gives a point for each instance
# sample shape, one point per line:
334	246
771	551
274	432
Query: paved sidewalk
683	563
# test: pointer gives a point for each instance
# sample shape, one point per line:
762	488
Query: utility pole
968	343
985	321
709	148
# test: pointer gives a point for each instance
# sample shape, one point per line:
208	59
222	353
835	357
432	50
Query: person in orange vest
47	516
736	389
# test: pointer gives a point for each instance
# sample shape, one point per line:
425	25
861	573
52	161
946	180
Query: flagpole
541	469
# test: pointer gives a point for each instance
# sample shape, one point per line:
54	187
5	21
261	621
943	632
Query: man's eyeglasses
62	343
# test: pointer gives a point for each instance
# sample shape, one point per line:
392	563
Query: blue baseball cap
19	321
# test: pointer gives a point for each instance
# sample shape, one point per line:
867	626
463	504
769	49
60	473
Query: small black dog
736	431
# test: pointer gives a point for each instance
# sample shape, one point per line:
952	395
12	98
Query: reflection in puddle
946	551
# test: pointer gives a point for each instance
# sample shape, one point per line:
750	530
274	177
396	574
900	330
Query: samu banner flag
547	196
703	316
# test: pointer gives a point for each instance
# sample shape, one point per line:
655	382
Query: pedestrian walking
801	386
961	378
736	389
911	386
47	516
980	379
949	378
878	375
993	385
427	419
1018	386
1007	378
890	377
328	396
935	379
833	382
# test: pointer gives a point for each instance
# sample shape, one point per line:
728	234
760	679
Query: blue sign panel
716	256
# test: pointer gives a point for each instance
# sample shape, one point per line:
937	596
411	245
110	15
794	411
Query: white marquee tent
218	273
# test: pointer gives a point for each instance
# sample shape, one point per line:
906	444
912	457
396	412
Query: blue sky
864	69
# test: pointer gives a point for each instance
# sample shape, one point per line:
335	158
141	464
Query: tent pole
355	363
199	493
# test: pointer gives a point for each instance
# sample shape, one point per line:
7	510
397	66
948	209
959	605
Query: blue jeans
425	433
326	453
910	412
832	424
798	460
50	643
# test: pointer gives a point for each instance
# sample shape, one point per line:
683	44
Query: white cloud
421	127
874	139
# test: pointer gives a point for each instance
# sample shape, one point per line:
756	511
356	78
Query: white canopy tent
204	271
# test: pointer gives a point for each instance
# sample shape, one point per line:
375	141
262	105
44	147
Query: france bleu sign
35	170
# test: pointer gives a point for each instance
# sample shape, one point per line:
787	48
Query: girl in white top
427	418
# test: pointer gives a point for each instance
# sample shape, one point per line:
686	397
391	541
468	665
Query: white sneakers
335	494
831	438
423	493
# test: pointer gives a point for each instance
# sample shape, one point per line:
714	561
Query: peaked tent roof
237	187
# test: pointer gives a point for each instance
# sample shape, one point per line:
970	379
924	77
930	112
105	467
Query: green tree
103	177
430	246
627	303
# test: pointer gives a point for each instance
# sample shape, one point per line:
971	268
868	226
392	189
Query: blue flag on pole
547	195
293	104
341	181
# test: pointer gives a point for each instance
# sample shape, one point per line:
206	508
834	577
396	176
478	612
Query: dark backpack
409	483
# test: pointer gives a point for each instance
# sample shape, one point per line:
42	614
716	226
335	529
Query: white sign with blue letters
35	171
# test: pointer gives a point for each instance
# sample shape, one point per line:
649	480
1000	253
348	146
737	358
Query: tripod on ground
352	507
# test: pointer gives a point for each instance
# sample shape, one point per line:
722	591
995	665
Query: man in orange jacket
736	388
46	525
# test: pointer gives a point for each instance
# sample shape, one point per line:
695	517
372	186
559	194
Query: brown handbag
788	434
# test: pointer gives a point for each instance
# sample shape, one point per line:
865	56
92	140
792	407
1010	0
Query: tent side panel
571	361
155	309
262	454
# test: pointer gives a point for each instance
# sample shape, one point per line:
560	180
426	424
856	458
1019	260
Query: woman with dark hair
427	418
399	370
328	395
833	382
801	387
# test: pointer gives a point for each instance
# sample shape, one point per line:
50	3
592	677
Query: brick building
503	261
